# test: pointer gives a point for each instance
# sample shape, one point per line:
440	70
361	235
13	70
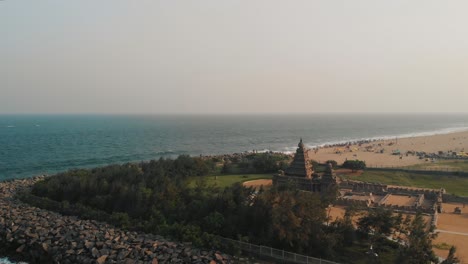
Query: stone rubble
42	236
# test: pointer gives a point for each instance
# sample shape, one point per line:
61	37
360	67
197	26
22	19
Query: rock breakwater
41	236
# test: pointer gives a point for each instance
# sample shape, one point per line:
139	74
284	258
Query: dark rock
123	254
20	248
101	259
95	252
129	261
219	257
45	247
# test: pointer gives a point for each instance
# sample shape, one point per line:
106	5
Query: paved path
451	232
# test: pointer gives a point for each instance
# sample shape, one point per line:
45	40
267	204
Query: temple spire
300	167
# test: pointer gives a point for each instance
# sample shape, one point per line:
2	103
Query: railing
273	253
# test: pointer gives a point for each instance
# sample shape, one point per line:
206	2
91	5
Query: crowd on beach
377	146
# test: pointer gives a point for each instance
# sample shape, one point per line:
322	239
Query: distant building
300	174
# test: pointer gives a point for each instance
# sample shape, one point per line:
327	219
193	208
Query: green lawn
458	165
223	181
452	184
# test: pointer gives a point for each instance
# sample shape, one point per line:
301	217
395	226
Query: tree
297	219
354	165
314	163
213	222
451	259
379	222
417	248
344	227
227	168
264	163
120	219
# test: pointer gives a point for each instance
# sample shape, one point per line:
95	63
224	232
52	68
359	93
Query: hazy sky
216	56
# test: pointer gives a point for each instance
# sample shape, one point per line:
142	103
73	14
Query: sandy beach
371	152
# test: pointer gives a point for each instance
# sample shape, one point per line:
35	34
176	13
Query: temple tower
329	180
300	166
301	175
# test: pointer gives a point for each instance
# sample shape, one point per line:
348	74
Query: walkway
451	232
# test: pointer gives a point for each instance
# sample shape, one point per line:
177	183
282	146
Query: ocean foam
7	261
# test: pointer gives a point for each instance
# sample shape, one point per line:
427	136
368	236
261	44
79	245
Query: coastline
445	131
450	139
370	150
450	142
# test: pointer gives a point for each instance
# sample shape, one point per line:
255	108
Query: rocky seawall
40	236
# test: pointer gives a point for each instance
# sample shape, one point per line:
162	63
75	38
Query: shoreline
397	152
445	131
437	140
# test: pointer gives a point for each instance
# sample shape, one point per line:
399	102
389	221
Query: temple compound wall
397	198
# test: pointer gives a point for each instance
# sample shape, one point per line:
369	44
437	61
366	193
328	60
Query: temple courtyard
452	228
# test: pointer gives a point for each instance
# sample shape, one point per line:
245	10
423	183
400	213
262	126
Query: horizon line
224	114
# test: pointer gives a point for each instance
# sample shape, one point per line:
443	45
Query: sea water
45	144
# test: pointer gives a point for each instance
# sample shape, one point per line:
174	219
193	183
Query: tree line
156	197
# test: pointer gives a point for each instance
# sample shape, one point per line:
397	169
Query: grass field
452	184
223	181
455	165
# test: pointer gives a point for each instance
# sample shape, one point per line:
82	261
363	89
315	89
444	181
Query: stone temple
301	175
300	166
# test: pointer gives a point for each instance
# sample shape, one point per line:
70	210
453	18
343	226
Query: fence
273	253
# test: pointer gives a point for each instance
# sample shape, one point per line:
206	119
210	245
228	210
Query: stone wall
351	202
428	193
300	183
408	209
370	187
450	198
382	189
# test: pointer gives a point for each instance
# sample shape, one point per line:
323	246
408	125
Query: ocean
46	144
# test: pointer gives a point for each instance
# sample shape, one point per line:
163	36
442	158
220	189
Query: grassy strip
452	184
224	181
443	246
457	165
